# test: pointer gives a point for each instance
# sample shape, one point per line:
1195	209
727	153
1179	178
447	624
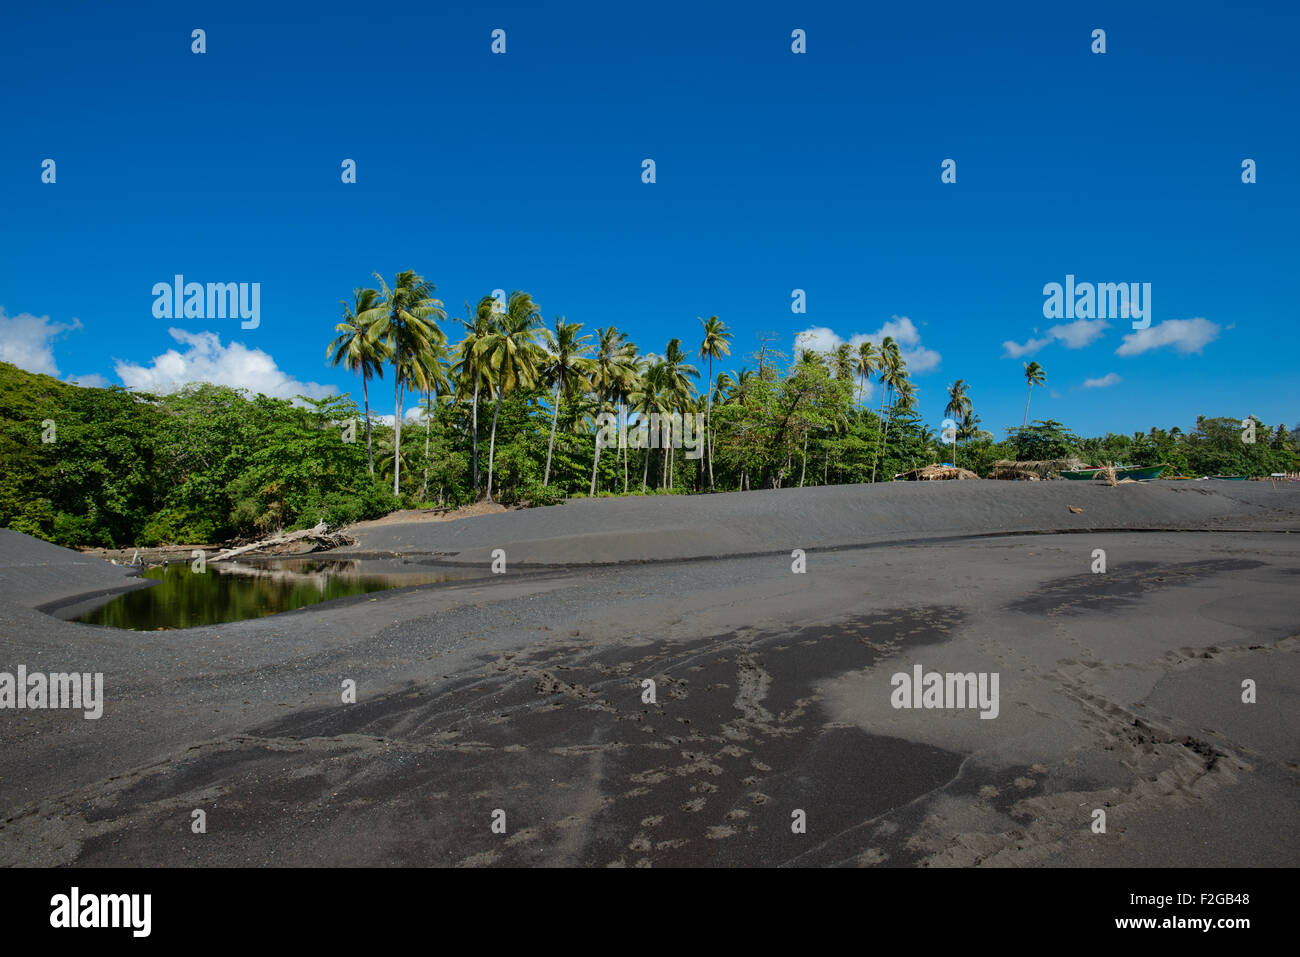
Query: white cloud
1075	335
818	338
1109	379
1184	335
918	357
1080	333
1014	350
92	380
409	414
207	360
26	341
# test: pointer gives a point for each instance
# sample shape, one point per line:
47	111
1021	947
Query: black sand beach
522	692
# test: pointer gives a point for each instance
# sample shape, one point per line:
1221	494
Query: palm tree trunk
595	461
428	406
492	446
1025	424
623	412
645	470
475	417
708	416
555	418
881	417
370	449
803	469
397	431
884	438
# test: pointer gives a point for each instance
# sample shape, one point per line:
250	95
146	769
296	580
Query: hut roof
1042	468
936	473
1008	474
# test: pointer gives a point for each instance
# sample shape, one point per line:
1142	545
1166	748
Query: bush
339	508
177	527
535	494
36	519
72	530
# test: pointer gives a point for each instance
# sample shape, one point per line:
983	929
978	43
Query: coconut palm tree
357	348
868	362
722	385
744	390
426	372
609	368
652	394
678	390
902	395
1034	375
391	455
810	357
741	395
904	399
677	371
891	370
715	345
696	406
628	381
958	407
566	365
510	353
970	429
906	396
407	322
842	361
468	366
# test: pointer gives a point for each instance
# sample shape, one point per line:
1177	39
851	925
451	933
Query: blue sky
775	171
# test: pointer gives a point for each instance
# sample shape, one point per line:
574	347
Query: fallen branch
320	536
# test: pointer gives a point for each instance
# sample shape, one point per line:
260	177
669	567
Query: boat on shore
1098	472
1230	478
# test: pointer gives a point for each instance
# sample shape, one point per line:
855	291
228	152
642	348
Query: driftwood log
320	537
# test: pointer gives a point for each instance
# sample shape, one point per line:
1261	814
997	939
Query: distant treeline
116	468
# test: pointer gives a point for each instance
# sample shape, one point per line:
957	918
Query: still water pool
231	591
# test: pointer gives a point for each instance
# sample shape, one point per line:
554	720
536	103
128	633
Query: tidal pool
231	591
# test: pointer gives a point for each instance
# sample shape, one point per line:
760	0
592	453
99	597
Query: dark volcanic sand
523	692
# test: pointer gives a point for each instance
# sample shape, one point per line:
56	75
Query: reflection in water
231	591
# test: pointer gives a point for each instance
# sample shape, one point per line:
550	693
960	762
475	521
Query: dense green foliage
1214	447
509	413
199	466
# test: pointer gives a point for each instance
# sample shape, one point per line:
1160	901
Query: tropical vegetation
508	410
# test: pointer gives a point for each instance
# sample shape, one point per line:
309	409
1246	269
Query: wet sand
523	692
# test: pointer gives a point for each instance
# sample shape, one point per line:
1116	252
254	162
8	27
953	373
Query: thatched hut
935	473
1044	469
1007	474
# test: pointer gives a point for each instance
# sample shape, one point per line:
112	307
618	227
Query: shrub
177	526
535	494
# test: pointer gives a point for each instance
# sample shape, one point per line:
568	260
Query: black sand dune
523	693
737	523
